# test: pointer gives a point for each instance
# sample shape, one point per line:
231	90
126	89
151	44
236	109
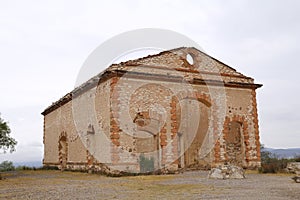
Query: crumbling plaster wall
56	123
241	107
73	119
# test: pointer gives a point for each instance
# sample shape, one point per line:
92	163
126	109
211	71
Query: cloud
44	44
24	153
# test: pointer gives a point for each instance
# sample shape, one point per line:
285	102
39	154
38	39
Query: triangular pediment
177	59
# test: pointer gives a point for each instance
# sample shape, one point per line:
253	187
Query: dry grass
190	185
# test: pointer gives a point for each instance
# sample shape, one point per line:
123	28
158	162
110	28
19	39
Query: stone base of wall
114	170
84	167
128	169
252	165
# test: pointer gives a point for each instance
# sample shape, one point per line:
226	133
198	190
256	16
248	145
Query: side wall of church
60	122
80	120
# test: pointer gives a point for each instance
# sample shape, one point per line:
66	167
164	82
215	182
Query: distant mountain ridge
29	164
284	153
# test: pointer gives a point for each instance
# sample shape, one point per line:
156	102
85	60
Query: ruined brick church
175	110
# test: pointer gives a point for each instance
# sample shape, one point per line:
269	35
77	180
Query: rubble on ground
227	172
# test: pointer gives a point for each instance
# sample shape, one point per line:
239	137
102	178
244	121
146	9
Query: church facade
174	110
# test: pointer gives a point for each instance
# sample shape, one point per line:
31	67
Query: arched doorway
233	141
193	117
63	151
149	116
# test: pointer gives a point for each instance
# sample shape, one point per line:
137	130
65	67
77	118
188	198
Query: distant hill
284	153
29	164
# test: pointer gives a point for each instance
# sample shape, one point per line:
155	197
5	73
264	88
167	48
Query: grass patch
251	172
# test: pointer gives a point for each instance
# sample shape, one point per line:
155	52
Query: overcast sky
43	45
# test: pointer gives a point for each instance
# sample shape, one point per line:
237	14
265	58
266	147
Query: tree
6	141
6	166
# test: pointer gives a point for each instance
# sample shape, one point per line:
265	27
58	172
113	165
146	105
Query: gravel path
189	185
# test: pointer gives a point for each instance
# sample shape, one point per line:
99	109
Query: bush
270	163
273	165
23	167
297	158
6	166
47	167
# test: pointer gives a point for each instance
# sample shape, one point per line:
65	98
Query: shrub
24	167
47	167
270	163
6	166
274	165
297	158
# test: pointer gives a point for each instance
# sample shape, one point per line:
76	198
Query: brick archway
177	139
199	96
235	131
63	150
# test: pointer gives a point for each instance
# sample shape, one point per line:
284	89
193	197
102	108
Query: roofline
214	59
107	74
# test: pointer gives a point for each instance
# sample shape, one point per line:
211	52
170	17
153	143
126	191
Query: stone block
227	172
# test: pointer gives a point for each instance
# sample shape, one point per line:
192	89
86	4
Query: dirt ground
188	185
